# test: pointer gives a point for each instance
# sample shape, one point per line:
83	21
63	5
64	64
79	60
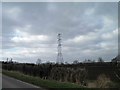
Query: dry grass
103	81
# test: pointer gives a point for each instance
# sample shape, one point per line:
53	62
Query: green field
40	82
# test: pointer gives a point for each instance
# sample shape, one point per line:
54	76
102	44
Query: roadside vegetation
103	82
40	82
76	75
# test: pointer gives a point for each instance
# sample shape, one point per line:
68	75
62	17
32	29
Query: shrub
64	74
103	81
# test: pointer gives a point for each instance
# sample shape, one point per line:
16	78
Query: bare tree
38	61
7	59
75	62
100	59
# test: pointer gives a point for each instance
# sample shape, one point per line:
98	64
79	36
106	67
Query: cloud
12	13
26	38
110	35
82	38
89	30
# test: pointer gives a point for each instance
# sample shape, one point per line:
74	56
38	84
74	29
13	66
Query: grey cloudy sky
89	30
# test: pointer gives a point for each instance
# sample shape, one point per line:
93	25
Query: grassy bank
38	81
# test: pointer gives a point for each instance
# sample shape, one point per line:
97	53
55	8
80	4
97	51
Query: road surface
8	82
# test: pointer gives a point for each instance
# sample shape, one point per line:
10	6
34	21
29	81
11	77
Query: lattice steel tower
59	55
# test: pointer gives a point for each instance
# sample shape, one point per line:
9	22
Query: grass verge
38	81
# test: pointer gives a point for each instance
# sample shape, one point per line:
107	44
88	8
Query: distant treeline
76	73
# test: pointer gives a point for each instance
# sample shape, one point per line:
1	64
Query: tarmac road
8	82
